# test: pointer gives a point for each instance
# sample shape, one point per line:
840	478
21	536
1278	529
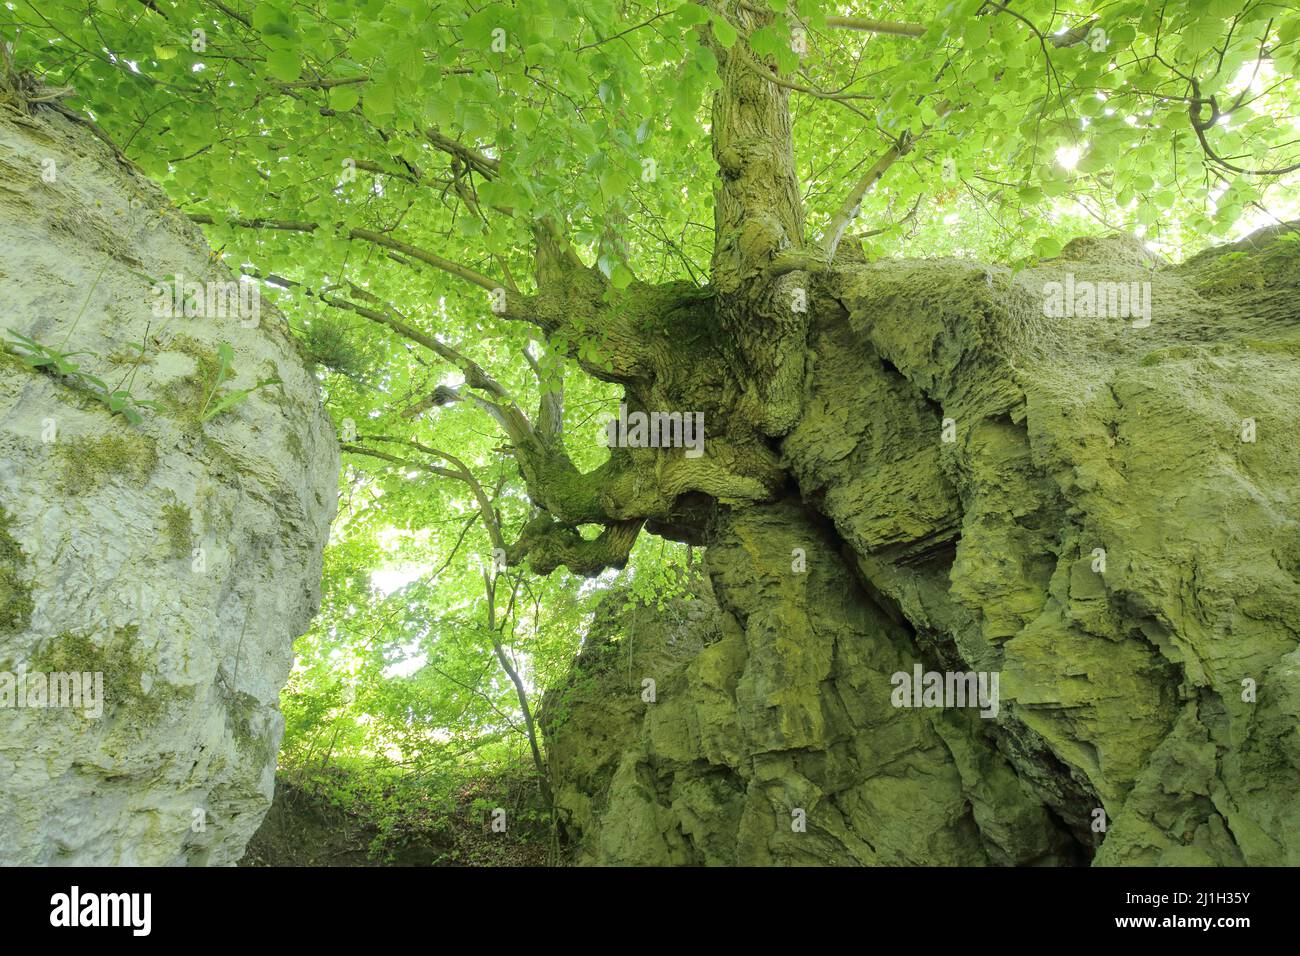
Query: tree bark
994	484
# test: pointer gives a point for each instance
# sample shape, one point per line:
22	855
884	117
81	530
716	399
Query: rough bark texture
100	519
1126	689
766	708
1099	510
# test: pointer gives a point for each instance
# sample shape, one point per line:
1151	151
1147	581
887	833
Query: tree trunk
1098	510
1077	479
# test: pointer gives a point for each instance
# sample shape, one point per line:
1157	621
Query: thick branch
485	166
876	26
848	210
549	545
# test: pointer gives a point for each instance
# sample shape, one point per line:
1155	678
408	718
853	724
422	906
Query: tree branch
876	26
378	239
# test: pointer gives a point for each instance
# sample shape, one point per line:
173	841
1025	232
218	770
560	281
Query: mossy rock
178	529
183	399
117	657
15	593
90	463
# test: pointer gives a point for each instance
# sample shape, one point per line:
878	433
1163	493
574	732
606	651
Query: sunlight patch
388	580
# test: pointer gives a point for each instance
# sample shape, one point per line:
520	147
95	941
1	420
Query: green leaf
266	14
284	65
1048	247
379	98
724	32
691	14
767	41
343	98
622	277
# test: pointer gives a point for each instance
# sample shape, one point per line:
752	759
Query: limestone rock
178	555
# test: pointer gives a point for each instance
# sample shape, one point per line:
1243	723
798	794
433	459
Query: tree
460	200
375	160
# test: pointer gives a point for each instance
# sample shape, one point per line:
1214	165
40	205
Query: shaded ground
319	820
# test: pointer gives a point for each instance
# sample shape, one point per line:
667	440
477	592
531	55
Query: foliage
119	401
378	161
352	814
231	397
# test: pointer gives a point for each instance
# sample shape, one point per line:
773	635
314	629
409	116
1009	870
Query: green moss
91	462
240	708
1181	352
70	652
1236	272
293	444
15	594
178	525
11	362
117	657
1287	346
183	399
129	356
1175	353
678	313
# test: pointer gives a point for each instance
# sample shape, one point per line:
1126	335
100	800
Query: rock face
173	546
1097	504
767	742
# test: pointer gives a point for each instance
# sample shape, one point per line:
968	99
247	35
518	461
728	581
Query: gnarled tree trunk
1096	505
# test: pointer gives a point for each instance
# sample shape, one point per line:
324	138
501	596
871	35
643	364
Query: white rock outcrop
177	555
